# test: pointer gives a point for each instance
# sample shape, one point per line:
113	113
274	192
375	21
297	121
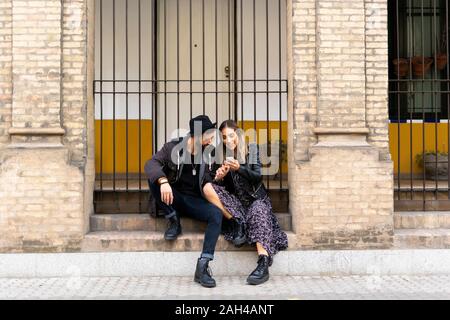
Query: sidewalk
231	287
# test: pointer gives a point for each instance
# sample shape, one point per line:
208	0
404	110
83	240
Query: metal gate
160	62
419	103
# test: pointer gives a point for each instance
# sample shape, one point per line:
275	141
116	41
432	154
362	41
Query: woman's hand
222	172
166	194
233	164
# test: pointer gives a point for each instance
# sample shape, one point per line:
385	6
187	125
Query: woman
240	193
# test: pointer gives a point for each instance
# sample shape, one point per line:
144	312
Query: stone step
422	220
422	239
134	241
145	222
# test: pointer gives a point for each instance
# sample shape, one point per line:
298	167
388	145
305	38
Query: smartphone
229	159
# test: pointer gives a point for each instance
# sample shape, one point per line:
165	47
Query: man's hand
233	164
222	172
166	194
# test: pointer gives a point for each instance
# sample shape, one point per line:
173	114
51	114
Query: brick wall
340	175
43	169
5	70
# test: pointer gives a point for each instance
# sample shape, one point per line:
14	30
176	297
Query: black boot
261	273
203	274
239	237
173	229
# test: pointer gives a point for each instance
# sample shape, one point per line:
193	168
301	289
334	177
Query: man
177	175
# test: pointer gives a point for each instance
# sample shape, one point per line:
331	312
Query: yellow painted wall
146	143
273	125
395	130
133	143
403	130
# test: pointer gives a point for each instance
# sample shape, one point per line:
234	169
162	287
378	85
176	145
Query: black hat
206	124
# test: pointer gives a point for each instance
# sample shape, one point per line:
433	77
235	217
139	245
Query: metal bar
254	67
194	80
203	55
101	95
178	68
423	108
267	76
114	95
165	71
398	97
434	96
190	58
413	104
229	57
208	92
126	104
140	98
216	64
155	75
448	98
235	63
280	128
242	62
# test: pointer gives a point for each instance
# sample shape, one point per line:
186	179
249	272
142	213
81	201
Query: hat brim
213	126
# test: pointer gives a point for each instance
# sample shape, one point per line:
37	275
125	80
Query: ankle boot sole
204	284
256	282
171	238
239	243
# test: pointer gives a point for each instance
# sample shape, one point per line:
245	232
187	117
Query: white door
193	52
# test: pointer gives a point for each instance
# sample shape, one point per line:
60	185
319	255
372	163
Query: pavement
360	287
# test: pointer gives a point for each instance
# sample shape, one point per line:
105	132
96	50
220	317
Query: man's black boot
261	273
203	274
173	229
239	237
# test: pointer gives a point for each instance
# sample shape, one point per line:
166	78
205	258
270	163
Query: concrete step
135	241
144	222
422	220
422	239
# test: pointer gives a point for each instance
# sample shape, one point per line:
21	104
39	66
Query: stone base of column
41	200
343	197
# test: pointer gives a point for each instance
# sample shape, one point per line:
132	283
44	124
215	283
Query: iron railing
419	103
161	62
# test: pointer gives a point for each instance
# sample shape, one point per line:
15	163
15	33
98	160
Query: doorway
160	62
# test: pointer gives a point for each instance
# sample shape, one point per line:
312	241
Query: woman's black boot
203	274
239	238
261	273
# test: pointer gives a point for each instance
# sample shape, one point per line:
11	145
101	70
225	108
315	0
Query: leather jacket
249	185
161	164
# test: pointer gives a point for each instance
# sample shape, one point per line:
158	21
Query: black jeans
197	208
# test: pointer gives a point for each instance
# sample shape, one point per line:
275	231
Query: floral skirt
261	225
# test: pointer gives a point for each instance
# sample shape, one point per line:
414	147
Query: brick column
341	186
42	189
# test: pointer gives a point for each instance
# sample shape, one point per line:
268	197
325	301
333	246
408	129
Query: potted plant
441	61
441	57
434	164
421	65
401	67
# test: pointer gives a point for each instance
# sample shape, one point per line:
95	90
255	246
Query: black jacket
161	164
251	171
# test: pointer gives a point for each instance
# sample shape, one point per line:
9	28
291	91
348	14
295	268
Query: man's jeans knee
197	208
